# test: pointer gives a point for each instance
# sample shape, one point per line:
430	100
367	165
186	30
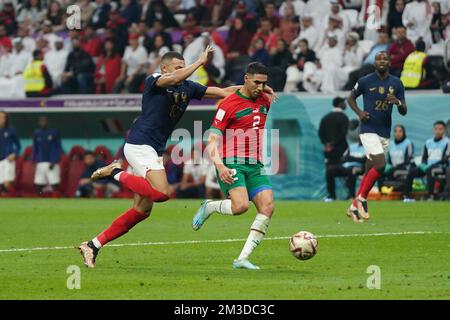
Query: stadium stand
268	27
159	26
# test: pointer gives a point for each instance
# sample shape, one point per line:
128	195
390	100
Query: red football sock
121	225
363	180
141	186
372	176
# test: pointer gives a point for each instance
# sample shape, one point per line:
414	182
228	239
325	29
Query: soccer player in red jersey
238	130
164	101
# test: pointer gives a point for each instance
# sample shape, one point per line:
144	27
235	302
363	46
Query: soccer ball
303	245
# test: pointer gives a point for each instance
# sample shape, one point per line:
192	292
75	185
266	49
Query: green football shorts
250	176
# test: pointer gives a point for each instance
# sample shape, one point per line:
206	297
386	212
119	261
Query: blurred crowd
314	45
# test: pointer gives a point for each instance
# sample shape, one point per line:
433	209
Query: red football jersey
241	121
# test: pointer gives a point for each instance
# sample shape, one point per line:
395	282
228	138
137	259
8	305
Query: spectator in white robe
29	43
320	74
308	32
352	60
334	27
299	7
373	20
12	65
317	9
417	18
20	56
55	60
336	10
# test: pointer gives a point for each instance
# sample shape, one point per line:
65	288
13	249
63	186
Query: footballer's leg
137	184
140	211
371	178
263	201
237	204
150	186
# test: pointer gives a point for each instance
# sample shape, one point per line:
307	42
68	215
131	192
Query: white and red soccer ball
303	245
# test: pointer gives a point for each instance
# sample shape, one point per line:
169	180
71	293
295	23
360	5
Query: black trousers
415	172
337	170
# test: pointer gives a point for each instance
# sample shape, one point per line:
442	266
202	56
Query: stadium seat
103	153
74	169
63	163
25	174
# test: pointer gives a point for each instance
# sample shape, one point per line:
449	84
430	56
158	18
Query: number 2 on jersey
256	121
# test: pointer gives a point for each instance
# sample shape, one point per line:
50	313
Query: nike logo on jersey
372	89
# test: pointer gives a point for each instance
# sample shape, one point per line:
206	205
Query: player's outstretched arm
363	115
176	77
225	173
220	93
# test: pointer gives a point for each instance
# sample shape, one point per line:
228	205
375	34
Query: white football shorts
44	176
142	158
374	144
7	170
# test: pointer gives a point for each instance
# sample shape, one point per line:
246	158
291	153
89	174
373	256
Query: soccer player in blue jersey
165	99
380	91
9	150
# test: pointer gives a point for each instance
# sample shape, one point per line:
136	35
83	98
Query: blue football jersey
9	143
374	91
162	108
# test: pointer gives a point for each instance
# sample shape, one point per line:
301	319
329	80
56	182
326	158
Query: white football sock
361	198
257	232
96	243
222	207
117	176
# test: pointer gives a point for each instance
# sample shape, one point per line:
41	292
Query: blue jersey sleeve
358	89
150	82
400	92
196	90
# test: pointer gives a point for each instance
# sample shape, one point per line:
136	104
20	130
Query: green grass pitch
410	243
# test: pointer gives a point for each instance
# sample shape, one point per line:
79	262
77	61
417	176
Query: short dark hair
172	55
305	41
256	68
442	123
420	45
36	53
382	52
337	101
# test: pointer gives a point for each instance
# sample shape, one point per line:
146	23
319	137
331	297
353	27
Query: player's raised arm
220	93
174	70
